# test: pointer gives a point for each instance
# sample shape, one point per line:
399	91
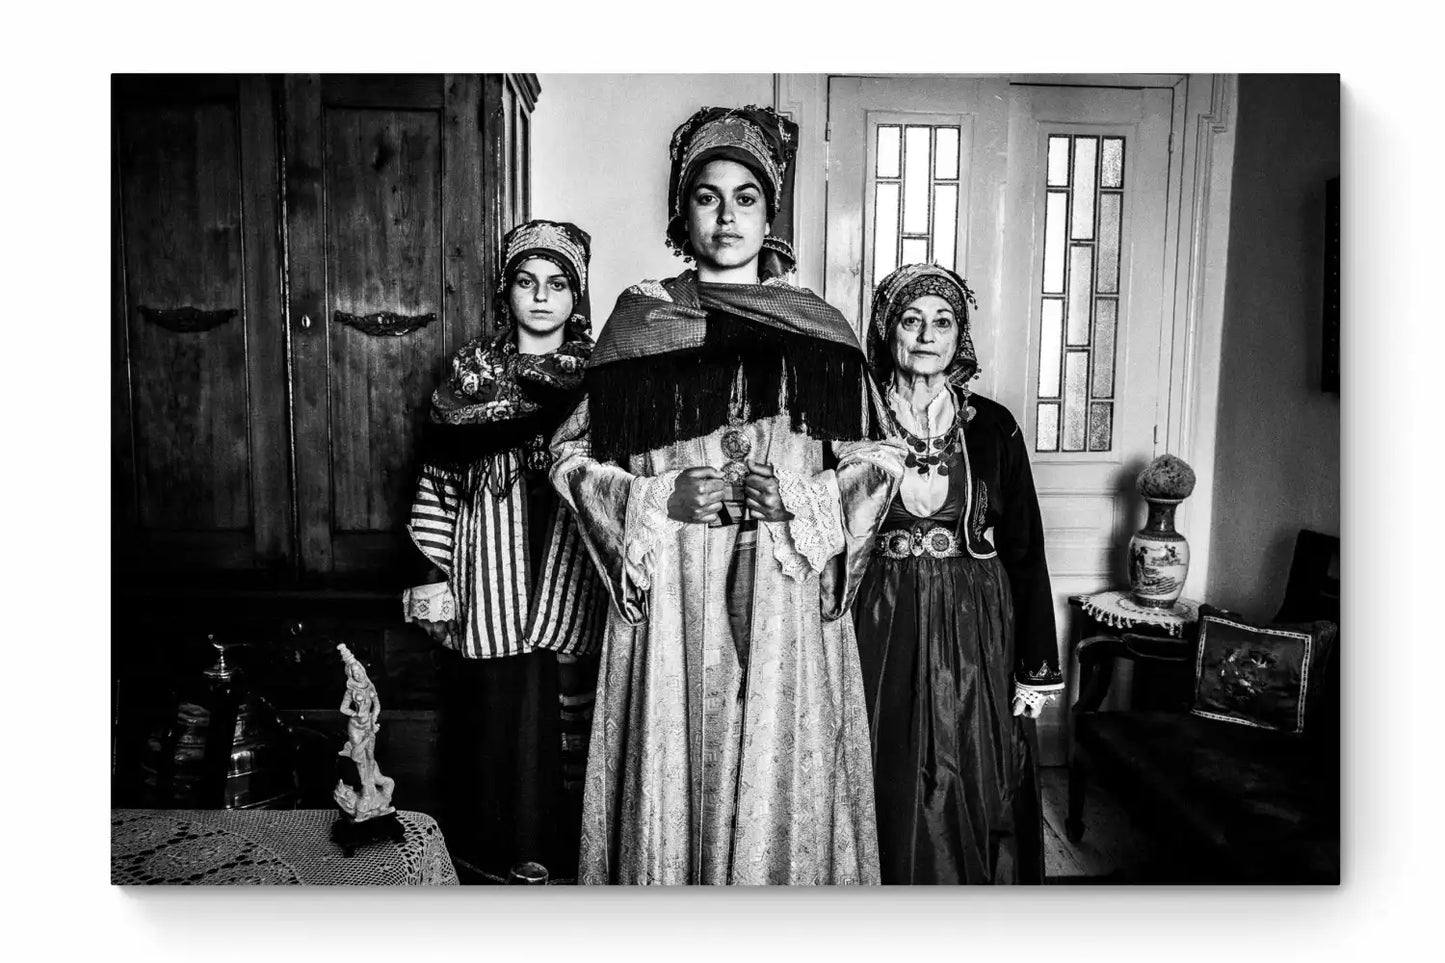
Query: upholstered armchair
1230	788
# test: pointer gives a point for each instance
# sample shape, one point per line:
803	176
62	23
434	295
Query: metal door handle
186	320
384	323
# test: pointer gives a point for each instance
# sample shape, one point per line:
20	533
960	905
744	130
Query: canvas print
724	479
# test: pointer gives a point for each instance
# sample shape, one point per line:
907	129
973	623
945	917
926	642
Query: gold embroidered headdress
566	245
760	139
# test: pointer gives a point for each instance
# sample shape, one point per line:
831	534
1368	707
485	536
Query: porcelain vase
1158	557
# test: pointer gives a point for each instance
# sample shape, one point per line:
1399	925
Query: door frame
1196	240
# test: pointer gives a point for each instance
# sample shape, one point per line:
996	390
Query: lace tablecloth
1118	610
268	846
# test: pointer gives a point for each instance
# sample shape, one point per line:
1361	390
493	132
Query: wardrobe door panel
384	242
181	185
200	445
385	217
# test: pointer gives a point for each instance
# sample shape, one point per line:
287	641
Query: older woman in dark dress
955	617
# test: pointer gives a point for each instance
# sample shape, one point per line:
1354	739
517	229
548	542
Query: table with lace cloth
1153	636
268	846
1118	610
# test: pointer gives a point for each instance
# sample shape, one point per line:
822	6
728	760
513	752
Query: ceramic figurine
362	707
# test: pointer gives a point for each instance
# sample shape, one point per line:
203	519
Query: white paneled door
1052	200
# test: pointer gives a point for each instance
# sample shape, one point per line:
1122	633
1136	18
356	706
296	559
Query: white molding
1050	80
1190	425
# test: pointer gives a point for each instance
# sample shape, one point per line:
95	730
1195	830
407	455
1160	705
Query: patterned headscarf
565	245
900	289
761	140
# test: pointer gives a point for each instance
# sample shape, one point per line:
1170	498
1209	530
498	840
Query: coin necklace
931	453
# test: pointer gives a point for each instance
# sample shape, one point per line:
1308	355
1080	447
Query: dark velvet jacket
1004	500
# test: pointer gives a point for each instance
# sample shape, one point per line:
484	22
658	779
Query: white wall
1277	451
599	160
599	153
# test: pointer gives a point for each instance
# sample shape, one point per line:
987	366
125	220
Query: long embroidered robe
708	768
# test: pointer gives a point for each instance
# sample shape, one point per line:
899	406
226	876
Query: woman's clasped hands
699	493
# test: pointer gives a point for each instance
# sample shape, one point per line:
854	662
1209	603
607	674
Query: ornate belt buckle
917	547
939	542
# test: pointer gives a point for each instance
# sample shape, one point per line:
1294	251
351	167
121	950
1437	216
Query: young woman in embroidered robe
728	473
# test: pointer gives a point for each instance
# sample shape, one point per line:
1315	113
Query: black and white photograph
787	479
657	480
940	481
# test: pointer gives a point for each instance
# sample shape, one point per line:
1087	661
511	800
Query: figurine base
351	835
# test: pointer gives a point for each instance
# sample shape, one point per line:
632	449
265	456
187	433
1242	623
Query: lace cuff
429	603
1035	699
647	524
803	544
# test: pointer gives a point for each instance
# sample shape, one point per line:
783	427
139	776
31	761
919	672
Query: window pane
885	232
1047	435
1079	316
1085	151
1111	172
1106	311
945	223
945	153
915	250
1058	162
1050	347
1109	216
888	141
1081	283
915	180
1101	426
1055	212
1076	369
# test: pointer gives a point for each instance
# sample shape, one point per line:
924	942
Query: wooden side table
1158	644
1111	619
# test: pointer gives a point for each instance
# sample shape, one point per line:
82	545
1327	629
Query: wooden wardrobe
295	258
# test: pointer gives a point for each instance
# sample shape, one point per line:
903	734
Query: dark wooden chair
1224	803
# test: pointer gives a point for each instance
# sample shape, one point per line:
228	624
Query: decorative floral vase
1158	557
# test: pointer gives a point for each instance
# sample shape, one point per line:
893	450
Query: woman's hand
697	496
761	489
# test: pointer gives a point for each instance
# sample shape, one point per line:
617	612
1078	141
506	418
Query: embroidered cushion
1261	676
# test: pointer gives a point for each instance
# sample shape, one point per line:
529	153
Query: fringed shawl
498	404
665	365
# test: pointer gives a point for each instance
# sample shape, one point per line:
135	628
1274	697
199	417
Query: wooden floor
1111	848
1110	851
